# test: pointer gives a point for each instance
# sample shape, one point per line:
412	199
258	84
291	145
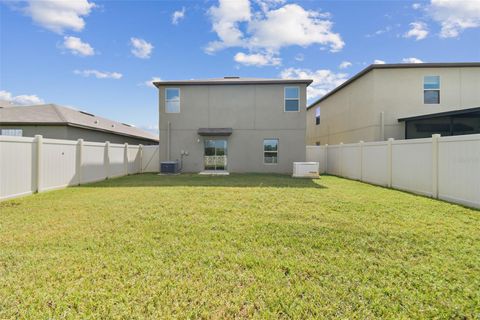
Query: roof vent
88	114
96	122
231	77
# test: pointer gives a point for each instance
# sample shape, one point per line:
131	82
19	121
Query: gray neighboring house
401	101
57	122
233	124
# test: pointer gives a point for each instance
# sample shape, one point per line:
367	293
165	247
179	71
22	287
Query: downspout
382	126
169	125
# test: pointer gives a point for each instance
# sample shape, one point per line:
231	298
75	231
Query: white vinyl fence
29	165
446	168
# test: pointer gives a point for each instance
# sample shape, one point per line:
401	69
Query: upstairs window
11	132
317	116
172	100
292	99
431	90
270	151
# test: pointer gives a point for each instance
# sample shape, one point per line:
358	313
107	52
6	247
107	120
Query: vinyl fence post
79	160
389	162
39	142
106	159
435	160
140	153
125	159
361	160
326	158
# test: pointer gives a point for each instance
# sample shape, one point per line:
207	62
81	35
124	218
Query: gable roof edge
394	66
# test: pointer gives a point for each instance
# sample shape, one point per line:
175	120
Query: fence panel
447	168
93	162
28	165
459	169
333	160
412	165
150	159
351	162
18	172
133	159
116	155
58	164
375	163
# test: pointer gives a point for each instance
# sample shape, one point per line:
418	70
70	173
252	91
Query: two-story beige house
401	101
233	124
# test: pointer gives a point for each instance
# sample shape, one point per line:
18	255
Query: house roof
52	114
396	66
231	80
442	114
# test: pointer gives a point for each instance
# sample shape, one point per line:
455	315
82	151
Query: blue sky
98	56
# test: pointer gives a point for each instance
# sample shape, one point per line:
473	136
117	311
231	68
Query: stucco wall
354	113
254	112
72	133
346	115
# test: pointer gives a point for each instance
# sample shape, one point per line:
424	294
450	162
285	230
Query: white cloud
225	22
266	5
22	99
455	16
418	30
149	83
379	32
293	25
77	46
270	29
411	60
141	48
299	57
59	15
377	61
178	15
323	80
257	59
345	64
416	6
98	74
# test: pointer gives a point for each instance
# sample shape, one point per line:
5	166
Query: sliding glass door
215	155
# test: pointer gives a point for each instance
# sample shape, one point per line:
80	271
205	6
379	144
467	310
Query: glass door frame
215	166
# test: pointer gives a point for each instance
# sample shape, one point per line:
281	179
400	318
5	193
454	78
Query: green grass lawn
242	246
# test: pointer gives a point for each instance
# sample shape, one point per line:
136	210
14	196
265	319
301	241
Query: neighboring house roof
396	66
52	114
442	114
231	80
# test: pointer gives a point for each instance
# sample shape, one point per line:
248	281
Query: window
292	99
11	132
172	100
431	90
270	151
317	116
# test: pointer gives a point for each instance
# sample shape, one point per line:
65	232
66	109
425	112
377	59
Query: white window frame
179	99
285	99
439	89
263	151
9	131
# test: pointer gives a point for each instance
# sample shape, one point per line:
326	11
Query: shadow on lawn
196	180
